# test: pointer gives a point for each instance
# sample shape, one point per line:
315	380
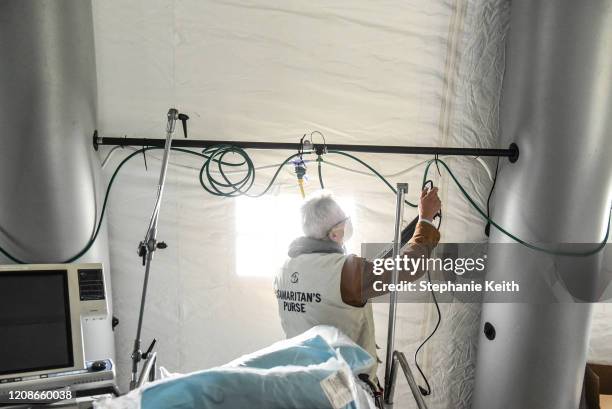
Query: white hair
320	212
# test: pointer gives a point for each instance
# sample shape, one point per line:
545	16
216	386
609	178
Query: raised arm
357	282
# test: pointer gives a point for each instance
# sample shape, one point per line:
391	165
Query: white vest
308	292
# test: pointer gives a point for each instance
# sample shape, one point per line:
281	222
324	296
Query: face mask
348	230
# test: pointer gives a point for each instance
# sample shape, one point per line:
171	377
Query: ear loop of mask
348	229
336	225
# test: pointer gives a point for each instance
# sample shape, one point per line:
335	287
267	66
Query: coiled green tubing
223	186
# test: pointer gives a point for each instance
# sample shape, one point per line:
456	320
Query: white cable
411	168
484	165
365	173
110	153
228	172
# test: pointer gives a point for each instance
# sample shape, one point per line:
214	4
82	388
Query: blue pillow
314	346
308	352
253	388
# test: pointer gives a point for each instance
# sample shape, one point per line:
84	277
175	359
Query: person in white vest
321	285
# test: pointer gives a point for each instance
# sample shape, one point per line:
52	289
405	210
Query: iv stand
147	248
393	357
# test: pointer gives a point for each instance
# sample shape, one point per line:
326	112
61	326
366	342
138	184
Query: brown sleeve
425	233
357	280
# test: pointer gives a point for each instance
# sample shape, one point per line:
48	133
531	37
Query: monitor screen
35	331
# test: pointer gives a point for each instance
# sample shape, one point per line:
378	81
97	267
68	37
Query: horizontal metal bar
511	152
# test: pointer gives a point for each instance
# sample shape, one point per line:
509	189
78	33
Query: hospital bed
317	369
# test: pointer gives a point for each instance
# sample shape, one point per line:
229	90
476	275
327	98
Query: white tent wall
395	73
468	117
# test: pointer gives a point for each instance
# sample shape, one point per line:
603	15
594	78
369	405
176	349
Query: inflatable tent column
557	106
49	176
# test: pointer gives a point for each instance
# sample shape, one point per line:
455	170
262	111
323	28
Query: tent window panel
264	229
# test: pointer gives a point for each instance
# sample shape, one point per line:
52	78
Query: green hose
103	211
209	158
507	233
374	171
482	213
228	188
319	161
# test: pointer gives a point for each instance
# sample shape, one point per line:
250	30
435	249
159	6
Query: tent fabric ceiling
393	72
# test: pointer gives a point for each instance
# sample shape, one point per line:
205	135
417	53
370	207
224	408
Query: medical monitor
41	307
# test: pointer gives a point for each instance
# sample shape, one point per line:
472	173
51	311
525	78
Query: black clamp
144	248
146	354
320	149
183	118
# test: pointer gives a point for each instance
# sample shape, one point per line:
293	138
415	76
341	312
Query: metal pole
511	153
399	357
389	391
148	370
402	189
148	246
